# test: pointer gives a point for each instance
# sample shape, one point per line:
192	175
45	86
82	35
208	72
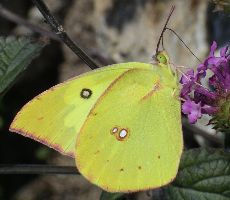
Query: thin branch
60	32
5	13
36	169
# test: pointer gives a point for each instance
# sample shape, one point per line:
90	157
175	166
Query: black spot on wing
86	93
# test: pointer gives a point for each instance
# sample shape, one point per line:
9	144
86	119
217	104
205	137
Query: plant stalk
36	169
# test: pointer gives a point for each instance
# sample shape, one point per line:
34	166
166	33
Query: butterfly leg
176	95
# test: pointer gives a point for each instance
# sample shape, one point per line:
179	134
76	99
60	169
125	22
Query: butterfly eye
86	93
162	59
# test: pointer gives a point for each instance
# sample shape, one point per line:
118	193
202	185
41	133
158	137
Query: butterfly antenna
163	30
174	32
162	42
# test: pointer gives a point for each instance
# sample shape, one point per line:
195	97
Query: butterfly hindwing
132	137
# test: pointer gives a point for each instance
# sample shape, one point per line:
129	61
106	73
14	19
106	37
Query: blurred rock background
110	31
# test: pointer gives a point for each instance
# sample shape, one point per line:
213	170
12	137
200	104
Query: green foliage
111	196
15	56
220	120
203	174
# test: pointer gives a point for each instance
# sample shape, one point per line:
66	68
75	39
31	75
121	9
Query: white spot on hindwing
123	133
120	133
115	129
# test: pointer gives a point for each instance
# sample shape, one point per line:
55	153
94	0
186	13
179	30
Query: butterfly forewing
55	116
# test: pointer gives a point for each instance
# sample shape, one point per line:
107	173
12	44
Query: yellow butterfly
122	123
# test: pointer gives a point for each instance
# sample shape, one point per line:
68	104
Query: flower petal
204	96
187	77
223	51
209	109
213	48
192	109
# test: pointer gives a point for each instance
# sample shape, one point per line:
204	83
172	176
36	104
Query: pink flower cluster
199	99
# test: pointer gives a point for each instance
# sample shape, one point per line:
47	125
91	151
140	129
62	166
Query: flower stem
36	169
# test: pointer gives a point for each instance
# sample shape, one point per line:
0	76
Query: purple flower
200	100
213	49
187	81
192	109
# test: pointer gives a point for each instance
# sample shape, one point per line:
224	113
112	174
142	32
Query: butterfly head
162	58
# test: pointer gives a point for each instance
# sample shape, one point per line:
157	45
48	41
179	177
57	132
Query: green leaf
15	56
111	196
204	174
